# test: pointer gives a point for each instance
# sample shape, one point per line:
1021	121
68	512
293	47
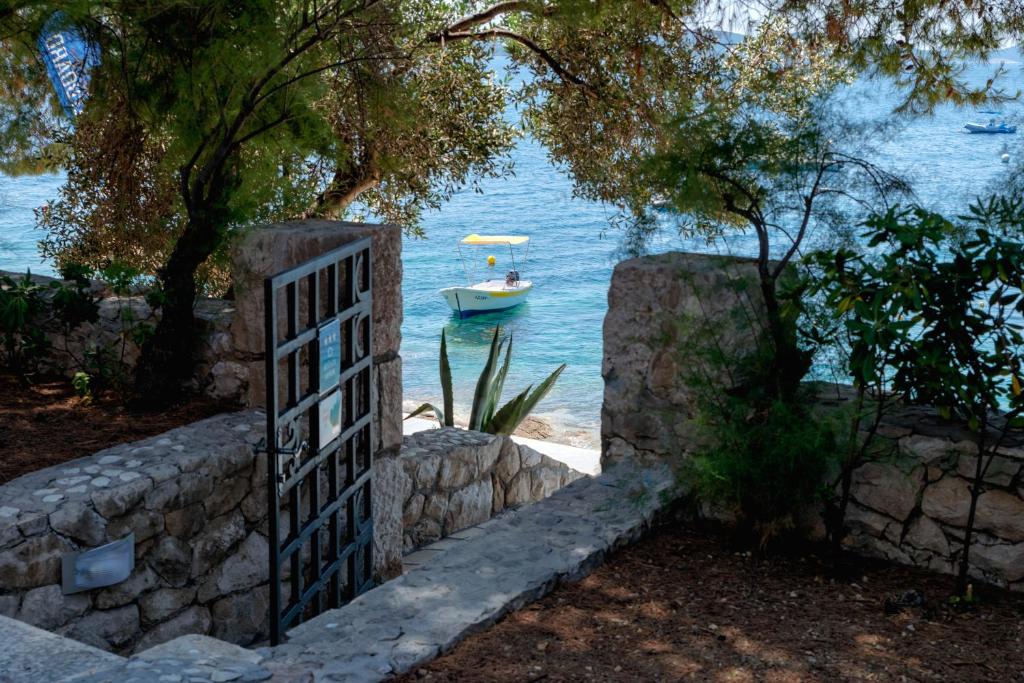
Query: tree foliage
366	112
208	117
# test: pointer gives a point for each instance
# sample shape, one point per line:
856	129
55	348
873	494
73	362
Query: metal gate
319	364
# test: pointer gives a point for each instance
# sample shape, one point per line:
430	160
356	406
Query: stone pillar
661	310
270	249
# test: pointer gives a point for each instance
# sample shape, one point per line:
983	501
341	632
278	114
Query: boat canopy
495	239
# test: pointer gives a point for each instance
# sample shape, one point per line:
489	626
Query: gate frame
297	463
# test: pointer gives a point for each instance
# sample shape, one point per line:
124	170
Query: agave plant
485	415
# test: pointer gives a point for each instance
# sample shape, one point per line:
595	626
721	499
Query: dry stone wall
450	479
909	506
195	499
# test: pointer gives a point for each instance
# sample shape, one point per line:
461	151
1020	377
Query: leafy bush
937	313
21	303
485	415
27	308
767	465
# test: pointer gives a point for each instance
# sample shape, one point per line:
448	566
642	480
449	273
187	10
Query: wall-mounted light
98	567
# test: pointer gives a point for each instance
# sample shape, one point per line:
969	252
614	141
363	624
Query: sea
575	245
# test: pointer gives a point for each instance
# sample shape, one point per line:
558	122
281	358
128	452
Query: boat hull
990	130
470	301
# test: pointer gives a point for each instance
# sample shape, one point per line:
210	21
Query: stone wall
450	479
655	322
195	499
399	626
909	506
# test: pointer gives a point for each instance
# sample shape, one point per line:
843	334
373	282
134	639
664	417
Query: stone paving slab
422	614
31	654
426	612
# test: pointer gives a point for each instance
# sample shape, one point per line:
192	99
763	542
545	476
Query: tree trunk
167	359
784	371
965	555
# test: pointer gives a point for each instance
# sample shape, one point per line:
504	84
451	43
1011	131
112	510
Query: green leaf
498	386
483	384
510	423
507	419
448	417
429	407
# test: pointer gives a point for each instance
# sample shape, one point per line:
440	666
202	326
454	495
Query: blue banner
69	60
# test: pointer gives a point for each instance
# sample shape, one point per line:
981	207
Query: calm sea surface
570	261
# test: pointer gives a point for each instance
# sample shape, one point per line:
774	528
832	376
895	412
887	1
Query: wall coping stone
105	479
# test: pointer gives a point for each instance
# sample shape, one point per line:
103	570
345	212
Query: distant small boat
491	295
660	201
991	127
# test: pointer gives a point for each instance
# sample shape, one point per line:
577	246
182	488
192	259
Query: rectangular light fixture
103	566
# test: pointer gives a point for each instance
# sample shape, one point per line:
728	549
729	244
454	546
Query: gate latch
295	453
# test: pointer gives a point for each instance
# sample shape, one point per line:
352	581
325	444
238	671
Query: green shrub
28	308
21	301
933	308
766	465
485	415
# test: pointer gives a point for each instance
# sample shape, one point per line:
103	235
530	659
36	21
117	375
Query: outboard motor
512	278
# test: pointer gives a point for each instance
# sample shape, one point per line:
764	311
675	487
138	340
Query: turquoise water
572	254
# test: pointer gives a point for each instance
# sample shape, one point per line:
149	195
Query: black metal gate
319	364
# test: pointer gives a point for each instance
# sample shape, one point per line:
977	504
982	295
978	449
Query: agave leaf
508	418
447	419
483	384
498	386
531	401
440	415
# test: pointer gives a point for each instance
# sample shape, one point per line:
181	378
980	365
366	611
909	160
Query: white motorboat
493	294
990	128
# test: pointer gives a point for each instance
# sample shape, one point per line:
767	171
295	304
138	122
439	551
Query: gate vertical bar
273	501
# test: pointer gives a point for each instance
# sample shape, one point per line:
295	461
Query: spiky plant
485	415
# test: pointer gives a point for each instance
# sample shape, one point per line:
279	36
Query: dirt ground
681	605
46	423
